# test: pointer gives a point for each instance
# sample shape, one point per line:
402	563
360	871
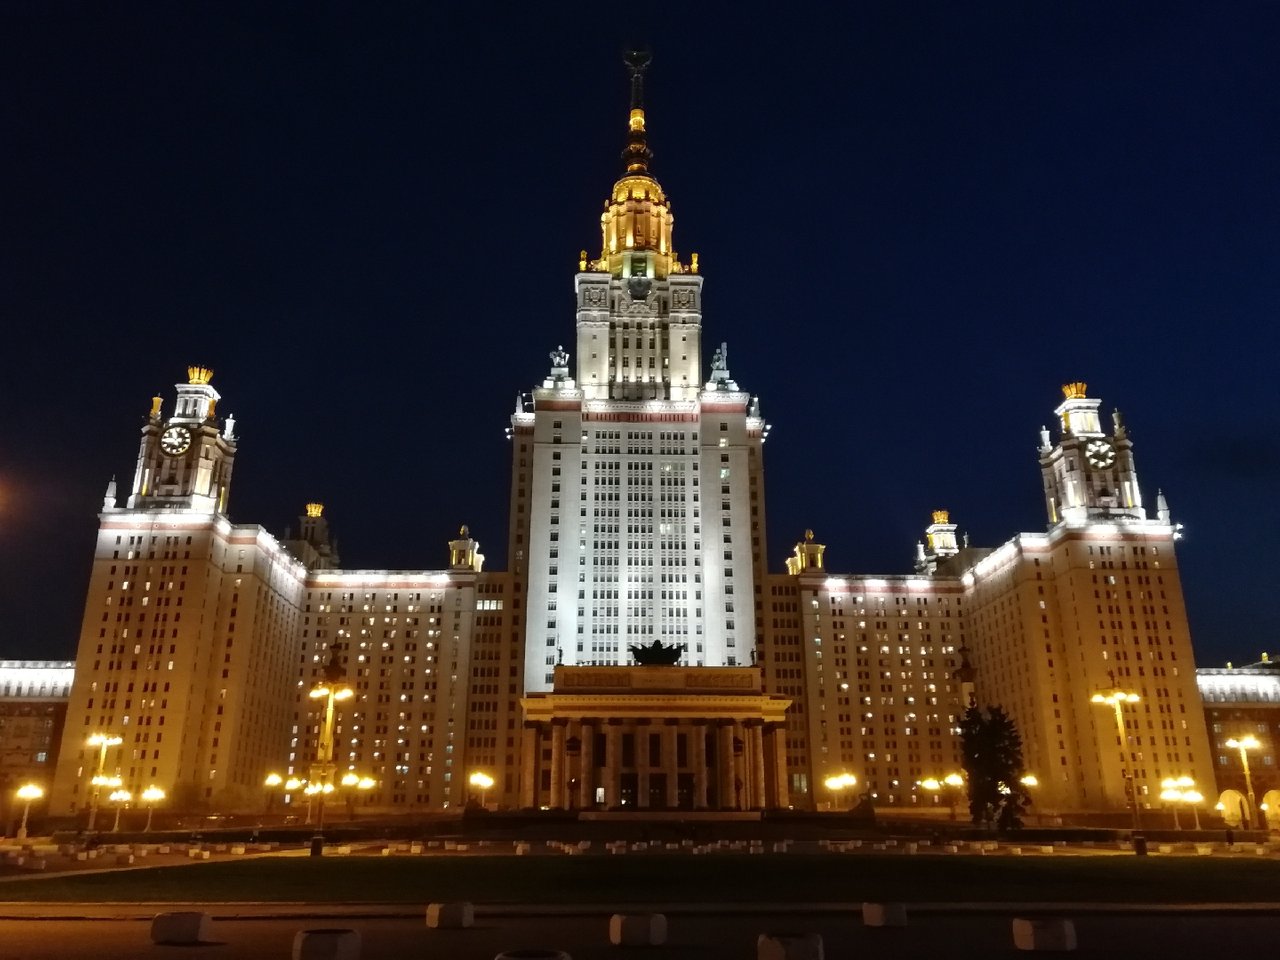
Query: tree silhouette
992	760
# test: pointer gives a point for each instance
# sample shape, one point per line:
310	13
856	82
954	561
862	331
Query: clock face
175	441
1100	453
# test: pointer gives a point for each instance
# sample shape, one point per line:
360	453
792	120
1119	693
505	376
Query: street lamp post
952	783
1031	782
1171	795
837	784
355	783
332	690
482	782
1194	798
1244	744
27	792
119	798
102	741
272	781
151	796
955	782
1176	790
1116	699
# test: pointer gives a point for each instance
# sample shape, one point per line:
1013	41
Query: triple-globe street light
837	784
1178	790
951	783
119	797
482	782
151	796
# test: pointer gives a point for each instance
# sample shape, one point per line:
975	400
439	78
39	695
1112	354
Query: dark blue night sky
915	222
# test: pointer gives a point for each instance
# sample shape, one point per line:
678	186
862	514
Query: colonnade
722	763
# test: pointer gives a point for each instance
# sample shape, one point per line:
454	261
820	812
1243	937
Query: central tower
637	495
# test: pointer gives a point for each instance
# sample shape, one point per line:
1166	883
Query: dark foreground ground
708	937
1093	877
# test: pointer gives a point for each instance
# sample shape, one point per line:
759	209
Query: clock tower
1088	474
185	460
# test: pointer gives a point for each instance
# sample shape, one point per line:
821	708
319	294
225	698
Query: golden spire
941	516
637	218
199	374
1077	390
637	153
315	509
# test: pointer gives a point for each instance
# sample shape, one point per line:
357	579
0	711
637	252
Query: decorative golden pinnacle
315	509
941	516
199	374
1075	391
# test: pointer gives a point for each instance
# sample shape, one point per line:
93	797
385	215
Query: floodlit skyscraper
637	496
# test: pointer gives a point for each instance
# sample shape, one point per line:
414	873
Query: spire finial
637	153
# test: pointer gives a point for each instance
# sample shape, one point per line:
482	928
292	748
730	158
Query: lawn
784	878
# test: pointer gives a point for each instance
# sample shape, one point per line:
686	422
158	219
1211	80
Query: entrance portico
654	737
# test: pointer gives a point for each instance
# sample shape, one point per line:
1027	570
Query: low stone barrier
638	929
181	927
789	946
450	916
1044	933
326	944
884	915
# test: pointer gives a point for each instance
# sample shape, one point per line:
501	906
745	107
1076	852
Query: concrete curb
404	911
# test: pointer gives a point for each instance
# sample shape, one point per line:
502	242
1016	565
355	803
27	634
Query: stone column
612	759
558	778
641	737
770	768
778	736
698	759
726	767
529	765
670	763
755	740
587	766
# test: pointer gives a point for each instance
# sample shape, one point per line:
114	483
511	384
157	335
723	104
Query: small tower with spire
806	556
939	543
464	552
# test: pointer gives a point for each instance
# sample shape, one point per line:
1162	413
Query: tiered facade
636	516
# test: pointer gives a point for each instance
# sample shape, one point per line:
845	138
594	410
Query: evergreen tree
992	759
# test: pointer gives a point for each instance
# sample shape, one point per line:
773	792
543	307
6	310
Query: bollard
789	946
181	927
1139	845
326	944
1046	933
450	916
638	929
884	915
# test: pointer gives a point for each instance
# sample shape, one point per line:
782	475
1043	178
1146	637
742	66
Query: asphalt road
711	937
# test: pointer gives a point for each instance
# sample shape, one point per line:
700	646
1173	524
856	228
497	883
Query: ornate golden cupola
636	224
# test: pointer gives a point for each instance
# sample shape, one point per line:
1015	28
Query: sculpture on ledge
656	654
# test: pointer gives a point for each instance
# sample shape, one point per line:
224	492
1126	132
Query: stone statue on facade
656	654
